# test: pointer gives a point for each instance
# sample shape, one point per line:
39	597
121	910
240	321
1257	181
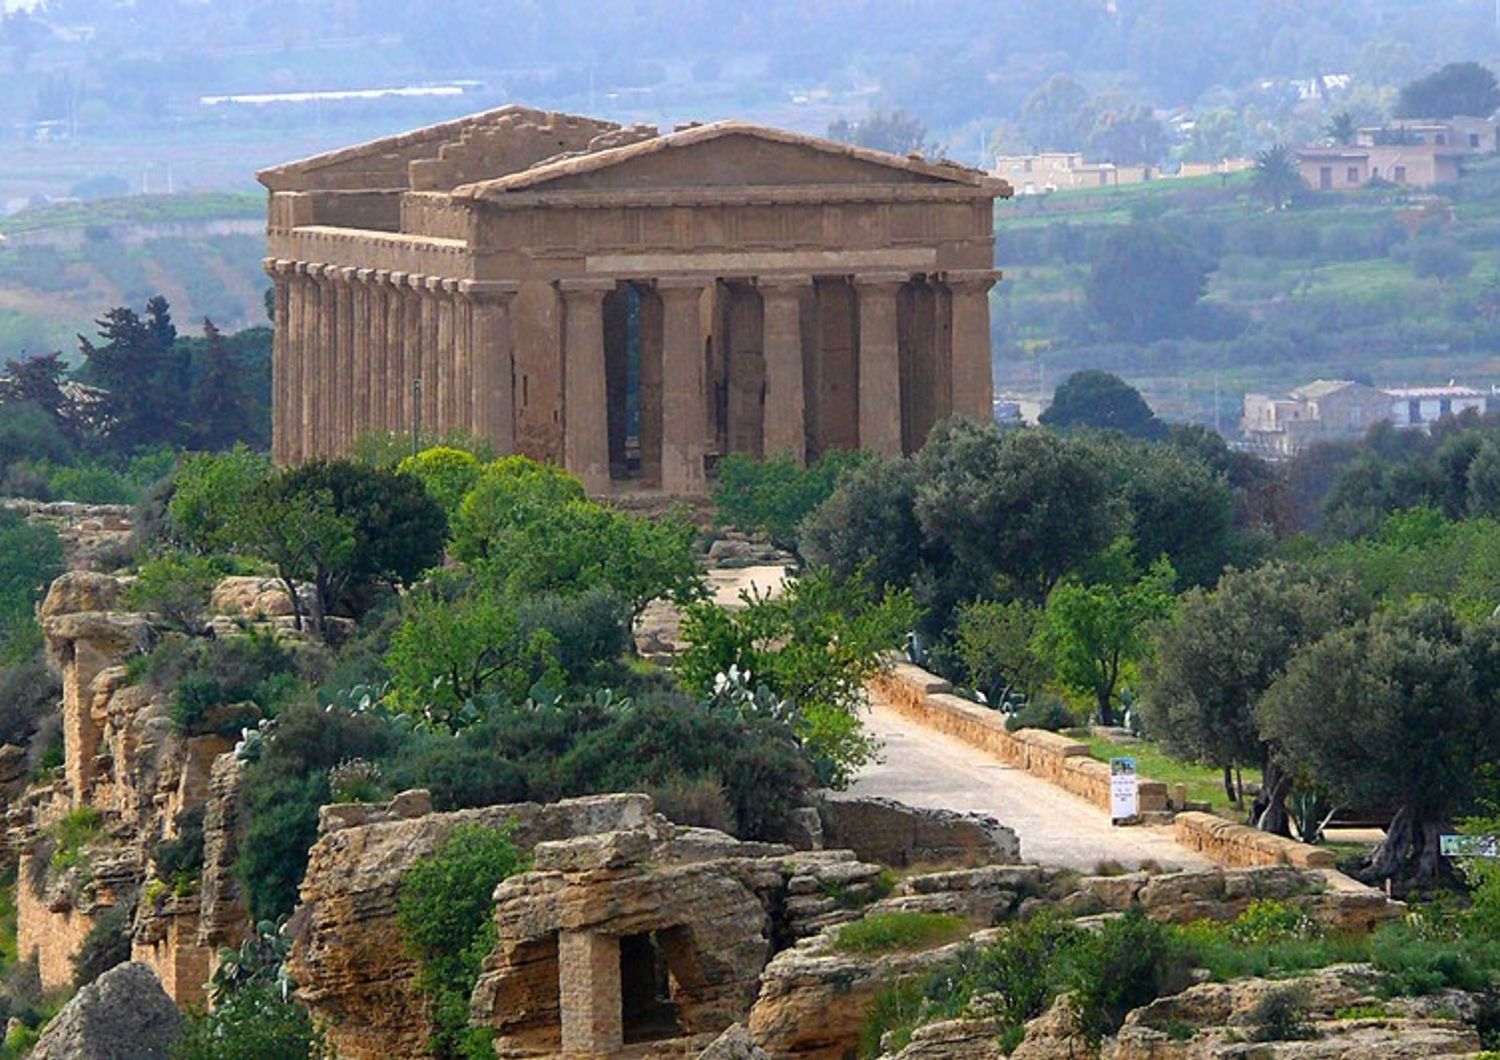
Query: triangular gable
725	154
383	164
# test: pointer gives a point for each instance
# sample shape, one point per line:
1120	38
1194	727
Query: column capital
788	283
305	268
981	279
482	290
279	266
347	273
363	275
397	278
380	275
586	285
416	281
326	272
432	283
881	279
683	286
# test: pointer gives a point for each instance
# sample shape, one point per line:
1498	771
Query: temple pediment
724	155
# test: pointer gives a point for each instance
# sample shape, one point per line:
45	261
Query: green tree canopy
1402	711
1097	628
1145	282
1091	398
1220	653
1277	180
1465	89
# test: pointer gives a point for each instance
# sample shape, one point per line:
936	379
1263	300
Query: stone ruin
628	936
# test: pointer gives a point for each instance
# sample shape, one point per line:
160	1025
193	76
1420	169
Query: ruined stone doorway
632	369
648	1011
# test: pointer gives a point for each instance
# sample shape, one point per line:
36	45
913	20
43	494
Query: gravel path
925	768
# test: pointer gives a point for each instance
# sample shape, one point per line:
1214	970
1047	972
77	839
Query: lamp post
416	415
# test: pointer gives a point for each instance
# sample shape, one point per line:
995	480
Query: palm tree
1277	178
1341	128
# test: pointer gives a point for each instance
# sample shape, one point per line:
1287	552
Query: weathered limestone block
348	957
814	1000
122	1015
1234	844
166	940
1223	1015
734	1044
250	596
960	1039
892	833
79	591
222	912
711	930
1055	1035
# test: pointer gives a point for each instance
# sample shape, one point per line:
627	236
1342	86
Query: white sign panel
1469	846
1124	795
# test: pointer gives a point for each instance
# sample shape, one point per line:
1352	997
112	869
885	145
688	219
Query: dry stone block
891	833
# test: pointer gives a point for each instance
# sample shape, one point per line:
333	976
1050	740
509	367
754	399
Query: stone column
588	988
396	358
785	423
463	358
429	318
352	384
328	380
279	271
416	364
492	363
445	401
362	364
973	360
379	355
683	402
307	279
585	396
879	363
296	354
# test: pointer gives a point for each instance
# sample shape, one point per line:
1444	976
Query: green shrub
106	945
892	1018
356	780
900	931
252	1023
208	673
448	474
1043	712
1281	1016
1128	963
176	586
1363	1012
1208	944
92	484
282	791
774	495
1268	920
699	802
444	910
71	834
1415	965
179	860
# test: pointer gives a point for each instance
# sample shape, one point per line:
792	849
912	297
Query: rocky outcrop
1339	904
734	1044
814	999
254	597
122	1015
348	958
892	833
1221	1020
94	536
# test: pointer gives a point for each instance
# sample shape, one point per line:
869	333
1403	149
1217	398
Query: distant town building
1417	153
1059	170
1333	409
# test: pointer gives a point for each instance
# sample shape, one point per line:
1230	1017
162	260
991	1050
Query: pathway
921	767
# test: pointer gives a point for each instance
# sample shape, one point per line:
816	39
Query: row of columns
349	342
684	390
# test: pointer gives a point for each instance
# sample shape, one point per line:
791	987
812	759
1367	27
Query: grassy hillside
60	266
1336	286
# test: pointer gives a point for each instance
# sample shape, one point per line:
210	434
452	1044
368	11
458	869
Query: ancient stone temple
628	303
